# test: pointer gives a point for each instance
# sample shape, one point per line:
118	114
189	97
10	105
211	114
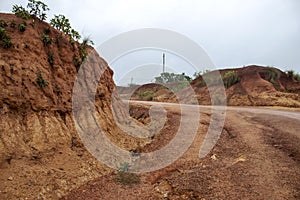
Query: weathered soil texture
256	157
257	86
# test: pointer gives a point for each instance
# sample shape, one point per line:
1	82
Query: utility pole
131	81
164	62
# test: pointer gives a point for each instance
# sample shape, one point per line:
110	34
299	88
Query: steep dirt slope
41	155
257	86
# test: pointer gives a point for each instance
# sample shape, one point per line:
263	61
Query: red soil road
256	157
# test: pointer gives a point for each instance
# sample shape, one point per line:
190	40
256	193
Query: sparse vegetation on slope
293	75
167	77
46	39
125	177
273	74
230	78
5	41
37	77
246	86
3	23
50	58
40	80
22	26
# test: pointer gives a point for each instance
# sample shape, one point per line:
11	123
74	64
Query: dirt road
256	157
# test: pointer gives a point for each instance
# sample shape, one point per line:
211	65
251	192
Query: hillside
253	86
41	154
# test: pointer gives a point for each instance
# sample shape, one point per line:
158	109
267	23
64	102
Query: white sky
233	32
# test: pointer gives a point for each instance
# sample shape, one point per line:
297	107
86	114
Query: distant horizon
232	67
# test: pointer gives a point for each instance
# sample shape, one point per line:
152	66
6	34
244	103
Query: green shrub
77	62
40	81
230	78
127	178
83	48
5	41
47	30
124	167
50	58
146	95
82	52
87	41
72	42
21	12
167	77
291	74
61	23
75	35
38	9
46	39
22	26
273	74
12	24
3	23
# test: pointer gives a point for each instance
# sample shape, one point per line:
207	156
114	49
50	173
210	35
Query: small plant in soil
50	58
75	35
22	26
3	23
77	62
47	30
297	77
293	75
5	41
12	24
46	39
72	42
125	177
40	81
124	167
83	47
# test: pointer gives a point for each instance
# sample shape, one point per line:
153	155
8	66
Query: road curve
256	110
256	157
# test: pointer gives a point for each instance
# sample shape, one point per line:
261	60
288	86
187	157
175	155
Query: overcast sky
232	32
